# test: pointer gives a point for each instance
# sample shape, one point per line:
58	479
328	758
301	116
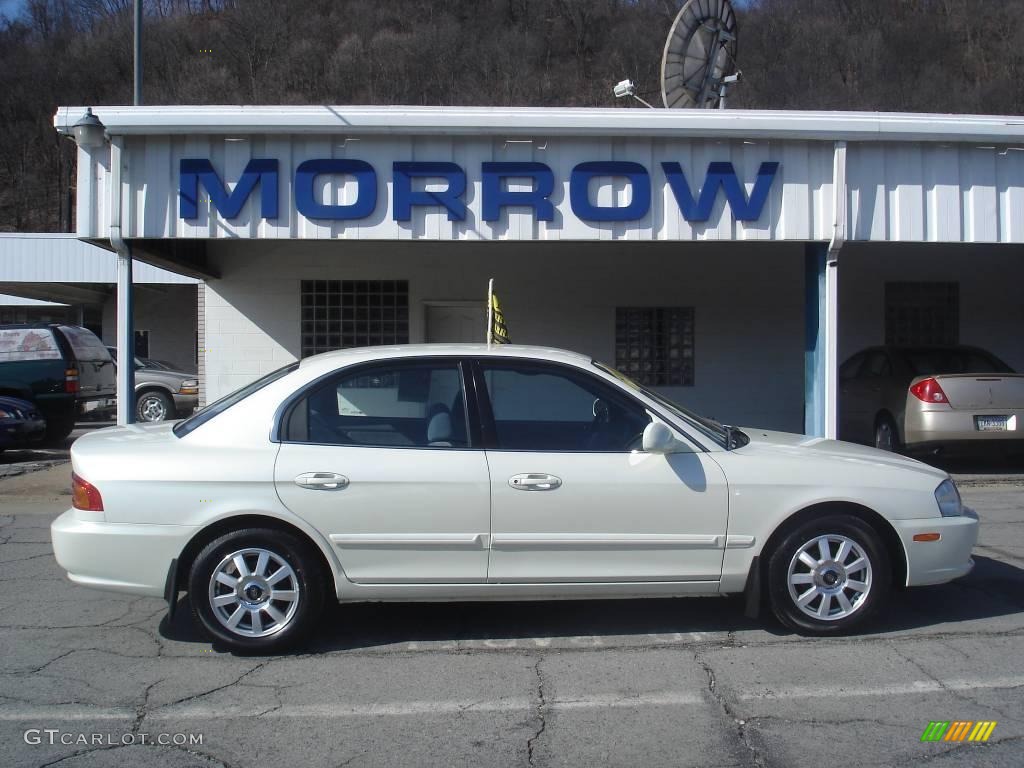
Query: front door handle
322	481
534	482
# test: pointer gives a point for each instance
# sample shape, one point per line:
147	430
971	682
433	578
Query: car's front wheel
154	406
829	575
257	590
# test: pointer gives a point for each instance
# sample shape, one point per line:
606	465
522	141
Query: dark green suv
64	369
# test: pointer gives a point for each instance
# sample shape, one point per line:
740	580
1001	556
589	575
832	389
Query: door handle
534	482
322	481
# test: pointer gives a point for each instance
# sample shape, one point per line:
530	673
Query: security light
628	88
89	131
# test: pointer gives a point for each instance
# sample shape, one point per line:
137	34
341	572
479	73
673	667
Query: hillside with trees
962	56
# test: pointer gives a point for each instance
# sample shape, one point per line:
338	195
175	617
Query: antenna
700	55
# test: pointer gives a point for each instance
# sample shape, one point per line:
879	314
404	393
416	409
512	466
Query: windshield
708	427
203	415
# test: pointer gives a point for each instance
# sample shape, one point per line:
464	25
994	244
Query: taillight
929	391
71	380
85	495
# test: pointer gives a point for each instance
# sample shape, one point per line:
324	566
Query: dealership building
731	259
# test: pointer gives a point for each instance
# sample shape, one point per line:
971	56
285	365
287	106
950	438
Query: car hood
805	447
159	374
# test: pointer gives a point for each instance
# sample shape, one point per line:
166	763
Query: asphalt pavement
95	679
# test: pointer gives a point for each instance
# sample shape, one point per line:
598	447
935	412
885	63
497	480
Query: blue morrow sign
495	194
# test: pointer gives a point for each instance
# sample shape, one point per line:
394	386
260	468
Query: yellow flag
497	331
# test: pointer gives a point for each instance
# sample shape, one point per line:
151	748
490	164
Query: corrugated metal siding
897	191
60	258
935	193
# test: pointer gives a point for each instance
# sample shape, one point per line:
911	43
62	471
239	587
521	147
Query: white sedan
458	472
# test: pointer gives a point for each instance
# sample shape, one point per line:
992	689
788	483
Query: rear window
202	416
84	344
931	362
28	344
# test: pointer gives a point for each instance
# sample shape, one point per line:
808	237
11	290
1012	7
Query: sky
10	8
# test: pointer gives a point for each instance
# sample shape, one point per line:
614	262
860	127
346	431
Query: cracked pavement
687	682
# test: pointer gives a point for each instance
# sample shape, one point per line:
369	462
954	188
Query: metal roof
549	121
57	257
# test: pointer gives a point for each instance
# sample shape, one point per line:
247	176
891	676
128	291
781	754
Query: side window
851	367
546	408
18	344
395	405
876	366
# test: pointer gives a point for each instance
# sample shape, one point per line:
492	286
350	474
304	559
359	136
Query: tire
825	613
265	624
887	437
153	406
57	431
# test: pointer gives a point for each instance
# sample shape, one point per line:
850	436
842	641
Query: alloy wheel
152	409
829	577
254	592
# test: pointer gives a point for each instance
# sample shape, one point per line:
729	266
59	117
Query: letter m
229	204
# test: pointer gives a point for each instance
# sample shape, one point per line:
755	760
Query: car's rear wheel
829	575
886	436
154	406
257	590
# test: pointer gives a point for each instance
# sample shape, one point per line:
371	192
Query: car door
572	497
380	459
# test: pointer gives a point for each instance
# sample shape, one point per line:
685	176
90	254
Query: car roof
361	354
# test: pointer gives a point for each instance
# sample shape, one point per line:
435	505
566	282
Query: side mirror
658	438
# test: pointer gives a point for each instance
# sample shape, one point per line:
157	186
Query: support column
821	308
125	341
125	296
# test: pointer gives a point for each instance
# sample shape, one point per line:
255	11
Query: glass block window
654	345
353	313
922	314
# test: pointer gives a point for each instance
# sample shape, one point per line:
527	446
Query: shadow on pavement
993	589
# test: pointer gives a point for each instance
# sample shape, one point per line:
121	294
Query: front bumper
936	562
121	557
184	405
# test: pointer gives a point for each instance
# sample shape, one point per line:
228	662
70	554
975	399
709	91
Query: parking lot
94	679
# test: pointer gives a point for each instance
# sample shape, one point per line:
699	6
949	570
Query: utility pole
137	99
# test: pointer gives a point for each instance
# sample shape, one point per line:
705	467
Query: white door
378	459
457	323
571	498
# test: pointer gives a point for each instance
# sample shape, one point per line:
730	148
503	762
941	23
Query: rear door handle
531	481
322	481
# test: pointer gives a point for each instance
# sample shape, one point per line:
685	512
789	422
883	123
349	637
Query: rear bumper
949	426
120	557
936	562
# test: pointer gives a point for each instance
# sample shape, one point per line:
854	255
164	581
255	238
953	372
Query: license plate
990	423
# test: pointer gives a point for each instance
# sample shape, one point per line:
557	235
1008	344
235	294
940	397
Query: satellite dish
699	53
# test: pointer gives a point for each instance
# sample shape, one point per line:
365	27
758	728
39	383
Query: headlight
948	498
8	414
189	387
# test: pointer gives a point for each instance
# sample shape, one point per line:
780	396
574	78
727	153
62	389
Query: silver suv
160	391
